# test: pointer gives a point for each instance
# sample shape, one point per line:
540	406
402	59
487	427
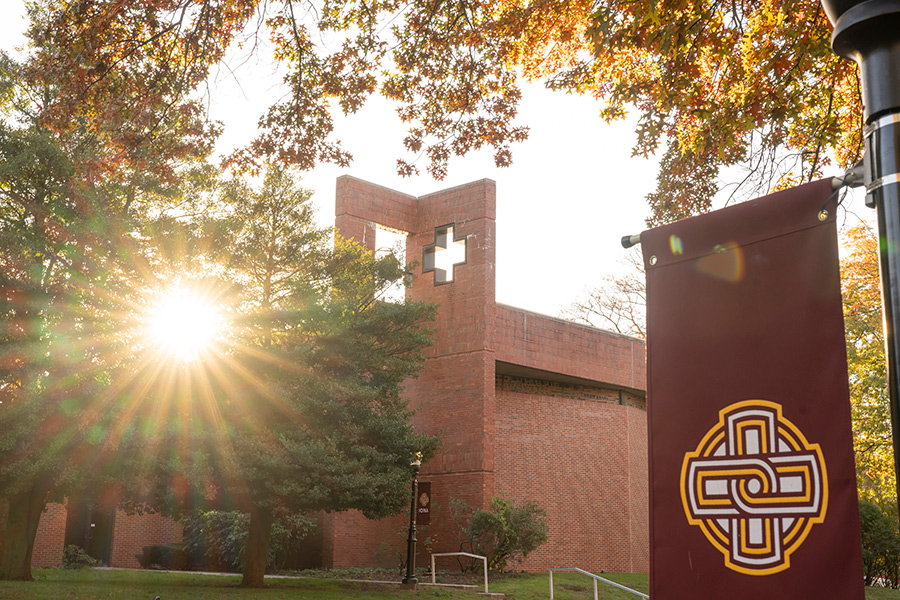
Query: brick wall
376	544
132	532
533	340
583	459
454	395
51	534
326	528
639	490
360	205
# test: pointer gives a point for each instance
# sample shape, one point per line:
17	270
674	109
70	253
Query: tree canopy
749	84
94	221
66	275
297	408
867	367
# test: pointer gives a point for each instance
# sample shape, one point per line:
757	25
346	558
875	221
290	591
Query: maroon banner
423	503
752	479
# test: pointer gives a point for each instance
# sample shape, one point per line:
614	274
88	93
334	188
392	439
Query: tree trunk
21	527
257	553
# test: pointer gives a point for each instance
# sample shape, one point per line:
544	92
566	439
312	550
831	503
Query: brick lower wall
51	535
132	532
351	540
639	483
364	543
583	459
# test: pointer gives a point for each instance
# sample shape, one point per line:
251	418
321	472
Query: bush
74	557
216	540
880	545
505	532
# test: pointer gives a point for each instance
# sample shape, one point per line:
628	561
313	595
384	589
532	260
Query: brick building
529	407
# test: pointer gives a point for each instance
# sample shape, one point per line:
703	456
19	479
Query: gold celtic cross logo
755	487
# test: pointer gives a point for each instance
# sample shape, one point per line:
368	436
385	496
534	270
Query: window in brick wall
387	241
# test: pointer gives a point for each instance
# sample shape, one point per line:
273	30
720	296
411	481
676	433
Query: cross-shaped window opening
444	254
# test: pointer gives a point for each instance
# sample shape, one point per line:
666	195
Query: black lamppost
411	578
869	33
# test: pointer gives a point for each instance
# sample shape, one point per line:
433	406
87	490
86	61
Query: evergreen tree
298	407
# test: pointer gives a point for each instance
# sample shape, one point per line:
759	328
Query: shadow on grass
102	584
97	584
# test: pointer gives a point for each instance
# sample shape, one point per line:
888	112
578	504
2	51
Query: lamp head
866	31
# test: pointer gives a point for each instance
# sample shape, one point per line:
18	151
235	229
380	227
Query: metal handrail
463	554
596	578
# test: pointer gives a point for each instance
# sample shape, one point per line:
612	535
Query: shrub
880	545
505	532
216	540
74	557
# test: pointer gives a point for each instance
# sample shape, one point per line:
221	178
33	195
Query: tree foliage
749	83
319	424
216	540
298	409
123	76
441	61
312	370
867	367
880	544
65	281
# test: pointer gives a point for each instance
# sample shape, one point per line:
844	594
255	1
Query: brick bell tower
451	234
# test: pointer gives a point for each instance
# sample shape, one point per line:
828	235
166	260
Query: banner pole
868	32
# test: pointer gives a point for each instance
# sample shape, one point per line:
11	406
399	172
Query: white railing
596	578
463	554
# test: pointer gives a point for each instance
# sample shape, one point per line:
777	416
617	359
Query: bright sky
572	192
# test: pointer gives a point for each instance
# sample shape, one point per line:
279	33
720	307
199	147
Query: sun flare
184	324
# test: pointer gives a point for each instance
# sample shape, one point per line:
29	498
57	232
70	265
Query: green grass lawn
90	584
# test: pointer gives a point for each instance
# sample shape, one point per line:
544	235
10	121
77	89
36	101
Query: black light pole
869	33
411	578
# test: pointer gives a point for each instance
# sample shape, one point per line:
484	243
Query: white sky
572	192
